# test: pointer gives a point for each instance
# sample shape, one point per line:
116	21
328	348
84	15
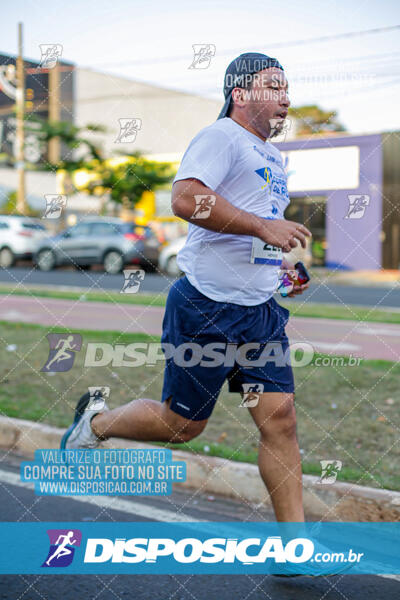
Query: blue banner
136	472
198	548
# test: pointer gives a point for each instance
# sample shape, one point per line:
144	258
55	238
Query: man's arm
226	218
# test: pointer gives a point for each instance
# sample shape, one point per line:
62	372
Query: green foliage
71	136
311	120
10	206
125	182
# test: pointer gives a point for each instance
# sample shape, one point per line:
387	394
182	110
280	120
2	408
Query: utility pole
54	111
20	108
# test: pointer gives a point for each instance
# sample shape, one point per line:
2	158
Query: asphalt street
329	336
19	503
154	282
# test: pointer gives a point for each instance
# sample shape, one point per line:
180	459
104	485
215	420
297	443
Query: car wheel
7	258
172	269
46	260
113	262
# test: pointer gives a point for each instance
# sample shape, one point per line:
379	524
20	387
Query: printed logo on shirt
267	156
266	174
279	188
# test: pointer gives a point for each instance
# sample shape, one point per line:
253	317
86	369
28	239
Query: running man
133	280
64	348
56	204
227	292
62	549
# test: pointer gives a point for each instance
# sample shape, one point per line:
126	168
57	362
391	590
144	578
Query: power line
302	42
338	36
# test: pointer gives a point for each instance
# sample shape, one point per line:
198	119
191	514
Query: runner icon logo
98	395
330	470
251	393
50	53
204	204
62	351
357	206
279	127
128	129
203	54
54	205
133	279
62	547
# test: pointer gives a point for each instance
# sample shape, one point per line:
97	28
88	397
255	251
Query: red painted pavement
364	340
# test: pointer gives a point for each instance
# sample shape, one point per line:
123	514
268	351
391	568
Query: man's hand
297	289
283	234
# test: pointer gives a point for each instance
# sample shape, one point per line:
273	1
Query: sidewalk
335	502
389	278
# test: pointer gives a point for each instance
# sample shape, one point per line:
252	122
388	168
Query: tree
125	179
81	149
311	120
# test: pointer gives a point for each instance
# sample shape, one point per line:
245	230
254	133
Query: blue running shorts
200	341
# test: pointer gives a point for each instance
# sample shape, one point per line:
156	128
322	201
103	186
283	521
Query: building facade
346	190
167	119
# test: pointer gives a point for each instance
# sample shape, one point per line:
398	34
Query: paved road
364	340
20	504
95	280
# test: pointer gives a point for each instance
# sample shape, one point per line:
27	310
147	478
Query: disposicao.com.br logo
200	547
211	550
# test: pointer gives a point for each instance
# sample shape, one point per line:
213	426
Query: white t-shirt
249	173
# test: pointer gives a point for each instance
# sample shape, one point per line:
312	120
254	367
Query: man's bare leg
146	420
279	456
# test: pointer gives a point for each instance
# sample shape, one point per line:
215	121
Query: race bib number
262	253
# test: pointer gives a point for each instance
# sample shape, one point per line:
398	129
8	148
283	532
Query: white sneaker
310	569
80	434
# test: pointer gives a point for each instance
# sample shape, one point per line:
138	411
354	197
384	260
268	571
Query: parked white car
167	259
19	238
168	263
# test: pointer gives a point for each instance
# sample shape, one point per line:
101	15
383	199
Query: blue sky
152	41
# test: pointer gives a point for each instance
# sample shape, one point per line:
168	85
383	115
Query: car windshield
133	228
36	226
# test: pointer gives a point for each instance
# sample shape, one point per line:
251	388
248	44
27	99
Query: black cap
235	75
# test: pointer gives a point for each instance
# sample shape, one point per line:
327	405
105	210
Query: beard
265	125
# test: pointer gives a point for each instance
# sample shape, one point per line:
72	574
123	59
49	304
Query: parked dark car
108	241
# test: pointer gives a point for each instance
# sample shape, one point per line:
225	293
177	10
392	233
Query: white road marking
375	332
110	502
317	344
12	315
135	508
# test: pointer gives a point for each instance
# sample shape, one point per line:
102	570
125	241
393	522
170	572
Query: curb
241	481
